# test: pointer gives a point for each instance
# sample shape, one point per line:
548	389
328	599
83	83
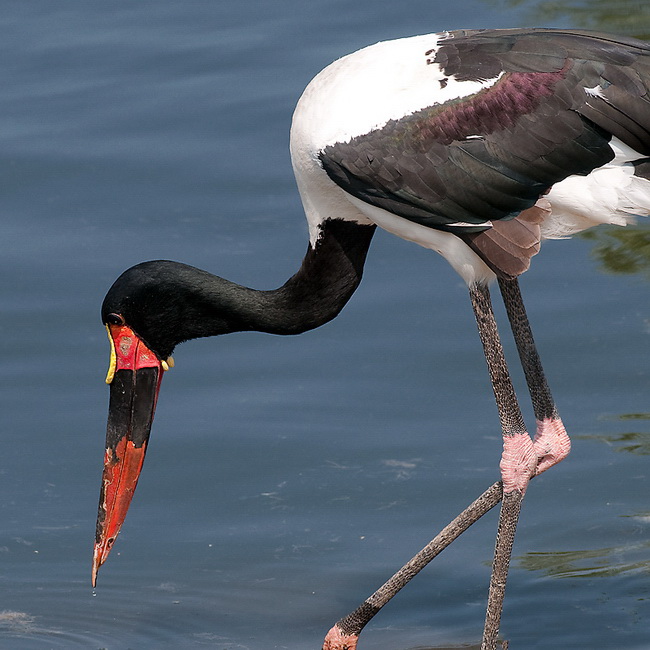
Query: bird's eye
115	319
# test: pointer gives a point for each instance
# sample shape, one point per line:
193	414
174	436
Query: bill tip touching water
476	144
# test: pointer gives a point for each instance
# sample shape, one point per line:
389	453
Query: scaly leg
552	444
518	461
345	633
516	464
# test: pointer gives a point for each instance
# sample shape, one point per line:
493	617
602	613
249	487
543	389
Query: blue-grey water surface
286	477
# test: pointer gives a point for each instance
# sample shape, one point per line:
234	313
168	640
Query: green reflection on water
456	647
629	17
621	250
631	442
634	416
594	563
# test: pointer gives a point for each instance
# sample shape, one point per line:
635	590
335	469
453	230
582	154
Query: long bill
134	376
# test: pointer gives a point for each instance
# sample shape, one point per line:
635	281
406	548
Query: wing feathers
508	246
559	99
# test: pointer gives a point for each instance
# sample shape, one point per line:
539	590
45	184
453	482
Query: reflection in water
637	443
622	250
594	563
456	647
634	416
633	442
630	17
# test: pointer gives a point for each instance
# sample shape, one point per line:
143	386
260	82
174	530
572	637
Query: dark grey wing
491	155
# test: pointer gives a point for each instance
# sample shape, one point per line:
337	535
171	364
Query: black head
166	303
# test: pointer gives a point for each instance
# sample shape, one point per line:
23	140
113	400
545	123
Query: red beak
134	375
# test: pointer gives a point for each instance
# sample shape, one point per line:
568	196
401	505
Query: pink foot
518	462
336	639
552	444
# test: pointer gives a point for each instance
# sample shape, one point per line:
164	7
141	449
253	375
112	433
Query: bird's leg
518	464
345	633
552	443
518	461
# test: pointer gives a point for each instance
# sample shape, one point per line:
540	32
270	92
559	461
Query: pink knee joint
518	462
336	639
552	443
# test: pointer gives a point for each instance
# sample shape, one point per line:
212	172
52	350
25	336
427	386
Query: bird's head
149	309
167	303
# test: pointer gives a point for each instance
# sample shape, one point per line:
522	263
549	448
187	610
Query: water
287	477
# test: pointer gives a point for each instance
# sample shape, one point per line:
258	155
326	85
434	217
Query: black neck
167	303
329	275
